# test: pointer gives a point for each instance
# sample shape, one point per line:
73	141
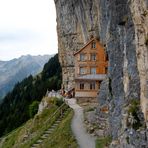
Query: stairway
48	132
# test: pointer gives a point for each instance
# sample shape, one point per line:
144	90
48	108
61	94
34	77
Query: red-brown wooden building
90	69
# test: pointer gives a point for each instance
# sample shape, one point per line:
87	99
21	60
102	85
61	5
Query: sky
27	27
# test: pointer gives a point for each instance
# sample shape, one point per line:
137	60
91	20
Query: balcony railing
91	77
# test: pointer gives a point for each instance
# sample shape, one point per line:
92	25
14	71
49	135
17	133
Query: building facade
90	69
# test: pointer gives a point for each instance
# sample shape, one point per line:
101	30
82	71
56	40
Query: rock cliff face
122	27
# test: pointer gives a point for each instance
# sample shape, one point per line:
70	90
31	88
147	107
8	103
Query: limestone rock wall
122	26
76	21
139	10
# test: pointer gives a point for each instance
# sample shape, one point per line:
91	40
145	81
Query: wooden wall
100	63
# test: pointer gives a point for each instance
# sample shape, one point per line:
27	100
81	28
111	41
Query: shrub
133	109
33	108
56	101
127	140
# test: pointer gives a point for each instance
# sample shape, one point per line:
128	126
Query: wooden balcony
91	77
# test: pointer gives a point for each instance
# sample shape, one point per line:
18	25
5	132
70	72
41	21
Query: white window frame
82	70
93	70
93	45
92	85
82	57
93	56
82	86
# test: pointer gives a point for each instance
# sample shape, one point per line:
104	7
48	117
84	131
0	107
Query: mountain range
15	70
16	105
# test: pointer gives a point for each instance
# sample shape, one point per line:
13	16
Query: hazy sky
27	27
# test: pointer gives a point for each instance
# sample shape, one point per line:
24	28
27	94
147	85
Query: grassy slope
61	138
14	109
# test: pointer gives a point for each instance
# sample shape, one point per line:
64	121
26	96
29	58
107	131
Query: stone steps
35	145
39	141
44	137
47	132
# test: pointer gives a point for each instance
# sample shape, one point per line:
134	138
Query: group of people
68	94
65	93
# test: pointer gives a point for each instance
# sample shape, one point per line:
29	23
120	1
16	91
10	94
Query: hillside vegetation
14	110
26	135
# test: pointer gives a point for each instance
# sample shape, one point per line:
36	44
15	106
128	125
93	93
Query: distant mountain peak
19	68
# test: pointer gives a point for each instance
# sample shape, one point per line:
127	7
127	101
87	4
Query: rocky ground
95	125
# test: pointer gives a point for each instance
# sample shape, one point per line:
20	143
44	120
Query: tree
33	108
18	106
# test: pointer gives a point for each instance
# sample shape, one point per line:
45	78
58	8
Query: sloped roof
93	39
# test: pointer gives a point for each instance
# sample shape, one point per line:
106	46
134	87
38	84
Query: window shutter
85	58
88	70
78	70
89	57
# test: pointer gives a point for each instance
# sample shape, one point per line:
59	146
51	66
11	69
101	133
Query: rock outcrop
122	27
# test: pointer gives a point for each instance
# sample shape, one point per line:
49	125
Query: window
92	86
93	56
82	56
93	70
106	69
93	44
82	70
81	85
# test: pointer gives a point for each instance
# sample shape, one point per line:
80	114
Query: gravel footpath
83	138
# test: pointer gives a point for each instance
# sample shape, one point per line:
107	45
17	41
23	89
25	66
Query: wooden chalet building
90	69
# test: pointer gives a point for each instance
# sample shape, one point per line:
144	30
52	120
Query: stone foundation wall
86	100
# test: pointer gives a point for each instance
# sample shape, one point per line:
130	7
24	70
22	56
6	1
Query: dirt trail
83	138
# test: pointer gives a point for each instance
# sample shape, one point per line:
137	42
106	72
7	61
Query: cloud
27	27
21	36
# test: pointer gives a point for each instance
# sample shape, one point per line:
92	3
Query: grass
61	138
33	128
103	142
11	139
